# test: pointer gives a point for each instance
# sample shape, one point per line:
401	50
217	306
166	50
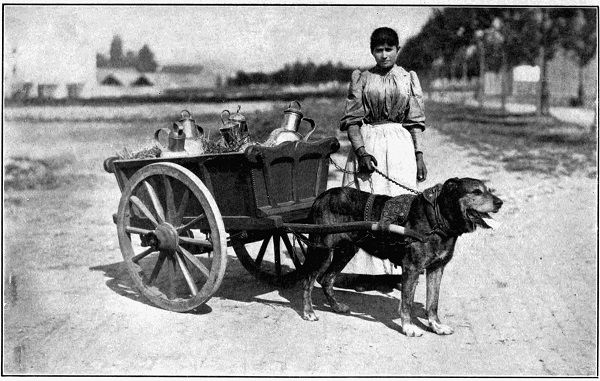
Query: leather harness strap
369	208
396	209
440	226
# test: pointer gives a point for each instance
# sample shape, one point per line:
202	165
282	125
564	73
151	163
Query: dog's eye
477	192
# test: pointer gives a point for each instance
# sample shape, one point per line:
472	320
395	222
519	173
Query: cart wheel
160	207
269	265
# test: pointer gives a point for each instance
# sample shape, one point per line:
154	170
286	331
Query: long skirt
392	146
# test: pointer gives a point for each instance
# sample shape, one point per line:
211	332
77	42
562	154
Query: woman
384	126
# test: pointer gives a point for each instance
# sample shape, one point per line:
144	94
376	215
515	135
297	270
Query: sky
242	37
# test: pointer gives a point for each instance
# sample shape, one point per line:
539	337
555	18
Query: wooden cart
177	216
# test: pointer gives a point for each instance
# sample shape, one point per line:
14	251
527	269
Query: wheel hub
167	236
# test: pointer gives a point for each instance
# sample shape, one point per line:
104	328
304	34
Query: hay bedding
207	147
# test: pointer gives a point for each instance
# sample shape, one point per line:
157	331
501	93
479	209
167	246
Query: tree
116	51
145	61
580	39
547	25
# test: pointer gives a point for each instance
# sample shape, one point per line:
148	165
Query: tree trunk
580	92
594	126
544	94
481	72
503	83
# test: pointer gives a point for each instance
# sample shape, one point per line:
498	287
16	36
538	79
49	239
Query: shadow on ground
240	286
524	143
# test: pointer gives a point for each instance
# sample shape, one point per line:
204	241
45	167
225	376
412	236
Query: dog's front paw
310	316
440	329
412	330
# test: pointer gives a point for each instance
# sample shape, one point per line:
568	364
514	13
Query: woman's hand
366	161
421	168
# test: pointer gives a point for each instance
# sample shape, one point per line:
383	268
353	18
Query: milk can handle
189	115
165	143
312	125
228	114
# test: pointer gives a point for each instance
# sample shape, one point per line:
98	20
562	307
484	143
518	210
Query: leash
337	166
439	225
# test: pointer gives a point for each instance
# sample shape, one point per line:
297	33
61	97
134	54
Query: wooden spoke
198	242
182	207
157	266
143	254
134	230
192	222
172	265
171	211
291	250
301	245
186	274
261	252
143	209
155	202
277	254
190	257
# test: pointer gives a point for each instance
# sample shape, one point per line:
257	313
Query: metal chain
336	165
397	183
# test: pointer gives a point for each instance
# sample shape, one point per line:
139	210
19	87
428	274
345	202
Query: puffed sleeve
415	112
355	109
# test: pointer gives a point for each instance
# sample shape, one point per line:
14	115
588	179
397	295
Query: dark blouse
375	97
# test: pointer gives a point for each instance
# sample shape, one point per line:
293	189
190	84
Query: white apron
393	148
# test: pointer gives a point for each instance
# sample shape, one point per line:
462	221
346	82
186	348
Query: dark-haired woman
384	126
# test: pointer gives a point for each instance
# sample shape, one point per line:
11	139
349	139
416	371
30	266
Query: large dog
441	214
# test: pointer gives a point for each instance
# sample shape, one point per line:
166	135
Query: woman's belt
383	122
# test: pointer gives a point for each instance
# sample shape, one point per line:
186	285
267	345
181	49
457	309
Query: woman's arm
414	115
354	112
366	161
415	123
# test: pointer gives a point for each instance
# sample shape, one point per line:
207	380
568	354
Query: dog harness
440	226
396	209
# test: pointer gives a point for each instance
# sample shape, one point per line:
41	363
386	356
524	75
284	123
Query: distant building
125	81
128	81
186	77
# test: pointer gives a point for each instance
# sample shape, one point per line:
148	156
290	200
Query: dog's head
469	201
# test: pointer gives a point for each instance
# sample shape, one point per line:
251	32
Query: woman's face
385	55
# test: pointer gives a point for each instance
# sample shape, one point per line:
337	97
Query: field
522	298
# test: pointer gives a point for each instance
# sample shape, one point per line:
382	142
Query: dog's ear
452	184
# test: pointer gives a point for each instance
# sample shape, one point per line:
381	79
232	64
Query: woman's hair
382	36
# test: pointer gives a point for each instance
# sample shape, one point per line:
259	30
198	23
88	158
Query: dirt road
522	298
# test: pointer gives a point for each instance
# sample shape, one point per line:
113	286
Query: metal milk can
239	119
175	141
288	131
192	132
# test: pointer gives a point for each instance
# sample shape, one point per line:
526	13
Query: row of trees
297	73
143	60
468	41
